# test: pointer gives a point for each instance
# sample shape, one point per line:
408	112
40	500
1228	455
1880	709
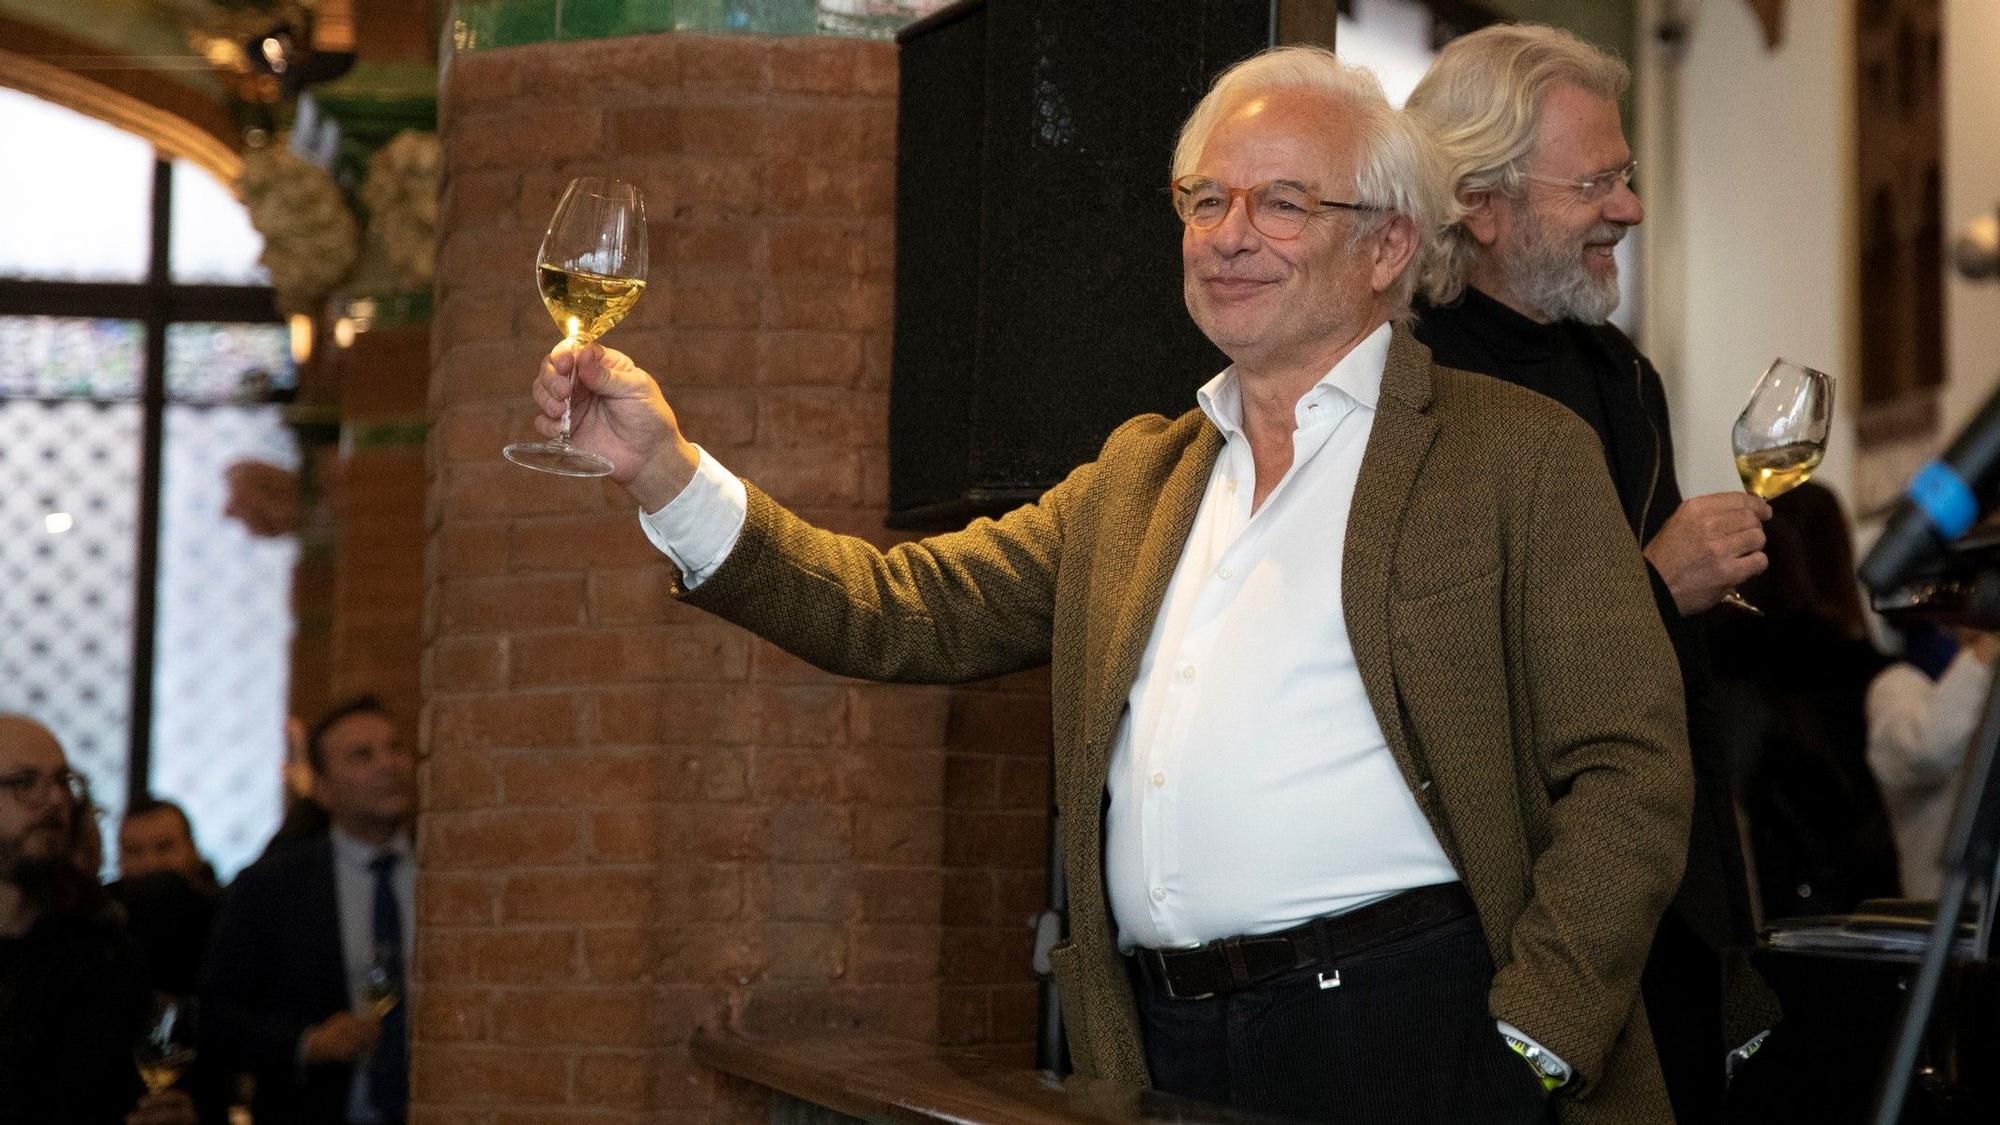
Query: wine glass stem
562	438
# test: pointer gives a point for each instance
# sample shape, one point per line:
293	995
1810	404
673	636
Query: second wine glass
164	1045
1780	437
591	270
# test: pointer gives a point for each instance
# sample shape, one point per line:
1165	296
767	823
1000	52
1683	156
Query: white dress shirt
1251	787
1917	734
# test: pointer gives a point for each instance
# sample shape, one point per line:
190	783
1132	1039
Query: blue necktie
389	1067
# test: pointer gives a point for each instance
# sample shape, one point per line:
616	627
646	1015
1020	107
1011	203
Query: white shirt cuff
1510	1030
698	528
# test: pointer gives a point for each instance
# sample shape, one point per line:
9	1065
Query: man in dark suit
1368	740
303	986
1521	288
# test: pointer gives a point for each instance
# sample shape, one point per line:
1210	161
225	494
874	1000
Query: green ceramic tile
602	19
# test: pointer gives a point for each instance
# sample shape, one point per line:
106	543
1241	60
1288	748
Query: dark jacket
72	997
275	970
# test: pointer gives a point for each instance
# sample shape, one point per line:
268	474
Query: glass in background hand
591	270
384	986
164	1047
1780	437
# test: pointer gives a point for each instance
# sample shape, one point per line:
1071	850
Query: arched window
140	357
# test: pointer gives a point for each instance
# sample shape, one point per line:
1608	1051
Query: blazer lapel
1165	532
1397	445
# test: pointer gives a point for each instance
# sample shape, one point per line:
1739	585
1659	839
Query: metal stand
1973	851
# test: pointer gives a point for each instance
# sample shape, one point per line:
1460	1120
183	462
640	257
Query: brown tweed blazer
1501	619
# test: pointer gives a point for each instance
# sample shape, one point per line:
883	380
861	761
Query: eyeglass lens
1277	210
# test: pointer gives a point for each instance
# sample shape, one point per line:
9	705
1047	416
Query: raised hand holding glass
591	270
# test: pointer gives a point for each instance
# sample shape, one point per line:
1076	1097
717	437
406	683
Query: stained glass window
224	633
228	362
70	357
80	212
69	476
74	642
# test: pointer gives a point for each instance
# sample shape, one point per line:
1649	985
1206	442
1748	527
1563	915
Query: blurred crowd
1846	739
163	998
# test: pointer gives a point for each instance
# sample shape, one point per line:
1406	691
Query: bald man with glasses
73	991
1361	821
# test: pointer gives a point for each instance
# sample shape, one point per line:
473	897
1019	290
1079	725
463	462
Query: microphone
1940	505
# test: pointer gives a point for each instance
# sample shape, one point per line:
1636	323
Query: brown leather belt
1231	963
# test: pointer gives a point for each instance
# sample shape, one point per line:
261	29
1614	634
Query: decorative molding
175	136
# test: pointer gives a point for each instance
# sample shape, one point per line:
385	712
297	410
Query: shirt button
1159	894
1187	673
1159	779
1223	573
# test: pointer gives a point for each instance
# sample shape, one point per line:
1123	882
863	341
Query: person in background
1918	731
168	891
312	939
1788	696
156	835
73	993
1522	288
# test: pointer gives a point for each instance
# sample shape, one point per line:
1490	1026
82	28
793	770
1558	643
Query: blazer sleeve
1610	735
944	609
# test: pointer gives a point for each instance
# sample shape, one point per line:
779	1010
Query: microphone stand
1971	852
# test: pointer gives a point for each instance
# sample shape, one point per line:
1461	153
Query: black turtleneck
1478	333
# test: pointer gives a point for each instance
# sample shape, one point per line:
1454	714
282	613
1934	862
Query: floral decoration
311	240
401	192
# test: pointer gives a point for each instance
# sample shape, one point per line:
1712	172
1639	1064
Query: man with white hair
1369	754
1520	287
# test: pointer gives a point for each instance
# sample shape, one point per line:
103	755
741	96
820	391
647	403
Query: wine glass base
562	460
1738	601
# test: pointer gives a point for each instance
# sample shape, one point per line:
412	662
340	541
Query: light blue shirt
354	894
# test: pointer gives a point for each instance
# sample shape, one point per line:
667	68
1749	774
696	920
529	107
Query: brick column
639	820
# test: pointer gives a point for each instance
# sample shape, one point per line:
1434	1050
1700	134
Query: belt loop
1322	944
1232	951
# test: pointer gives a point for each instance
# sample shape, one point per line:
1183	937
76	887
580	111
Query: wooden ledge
882	1078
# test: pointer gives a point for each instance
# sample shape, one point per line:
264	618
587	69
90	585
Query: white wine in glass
164	1047
591	271
1780	437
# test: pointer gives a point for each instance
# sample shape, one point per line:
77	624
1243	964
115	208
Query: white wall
1767	243
1972	186
1765	145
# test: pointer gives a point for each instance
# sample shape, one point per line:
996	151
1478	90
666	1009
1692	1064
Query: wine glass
164	1047
591	270
1780	437
383	986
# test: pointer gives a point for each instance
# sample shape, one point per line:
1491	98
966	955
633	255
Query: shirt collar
349	851
1358	376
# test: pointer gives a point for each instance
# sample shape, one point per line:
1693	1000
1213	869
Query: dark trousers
1404	1037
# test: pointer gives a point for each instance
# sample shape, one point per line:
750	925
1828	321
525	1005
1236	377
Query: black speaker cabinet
1038	278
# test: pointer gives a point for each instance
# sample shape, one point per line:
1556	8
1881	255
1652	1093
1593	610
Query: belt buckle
1167	979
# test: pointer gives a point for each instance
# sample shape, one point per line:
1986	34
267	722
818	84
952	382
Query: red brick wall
639	820
377	496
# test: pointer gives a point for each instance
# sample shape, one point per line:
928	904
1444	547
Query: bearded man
1521	288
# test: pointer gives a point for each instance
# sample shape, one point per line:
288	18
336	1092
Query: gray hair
1398	170
1481	101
